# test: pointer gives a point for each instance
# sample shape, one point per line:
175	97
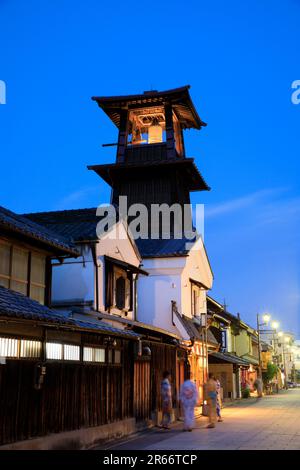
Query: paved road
270	423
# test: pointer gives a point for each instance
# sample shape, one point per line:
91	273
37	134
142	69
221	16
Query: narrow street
273	423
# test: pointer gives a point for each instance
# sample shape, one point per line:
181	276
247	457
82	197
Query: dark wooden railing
146	153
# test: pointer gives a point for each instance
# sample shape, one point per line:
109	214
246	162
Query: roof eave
59	249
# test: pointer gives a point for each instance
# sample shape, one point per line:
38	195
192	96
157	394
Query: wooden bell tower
151	166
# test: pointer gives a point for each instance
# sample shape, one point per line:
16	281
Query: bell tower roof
151	166
178	98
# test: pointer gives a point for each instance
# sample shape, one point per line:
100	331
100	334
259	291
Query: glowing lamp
275	325
266	318
155	132
280	334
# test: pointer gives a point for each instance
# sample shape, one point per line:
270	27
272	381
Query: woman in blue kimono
189	398
166	400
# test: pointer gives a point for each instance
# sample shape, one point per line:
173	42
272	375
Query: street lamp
274	325
266	318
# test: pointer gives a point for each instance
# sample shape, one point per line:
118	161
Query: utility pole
259	347
284	366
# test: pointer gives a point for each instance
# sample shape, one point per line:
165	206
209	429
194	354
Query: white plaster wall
156	291
169	279
74	279
197	268
117	244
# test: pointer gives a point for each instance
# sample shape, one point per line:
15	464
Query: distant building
235	363
296	352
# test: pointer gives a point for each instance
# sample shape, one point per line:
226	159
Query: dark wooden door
141	392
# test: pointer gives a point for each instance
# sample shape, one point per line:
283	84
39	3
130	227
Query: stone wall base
83	438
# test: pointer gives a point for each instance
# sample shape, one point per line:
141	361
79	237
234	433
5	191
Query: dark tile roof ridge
232	356
160	248
61	211
40	233
144	94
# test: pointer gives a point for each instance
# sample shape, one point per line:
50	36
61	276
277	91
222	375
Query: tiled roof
211	338
179	97
164	248
228	357
193	330
80	224
16	305
250	359
75	225
19	224
191	327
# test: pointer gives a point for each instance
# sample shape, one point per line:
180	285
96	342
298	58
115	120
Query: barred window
91	354
20	348
71	352
8	347
54	351
59	352
30	348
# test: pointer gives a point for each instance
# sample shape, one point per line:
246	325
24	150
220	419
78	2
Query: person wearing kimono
166	400
188	397
211	393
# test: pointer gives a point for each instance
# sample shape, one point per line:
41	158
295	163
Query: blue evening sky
240	57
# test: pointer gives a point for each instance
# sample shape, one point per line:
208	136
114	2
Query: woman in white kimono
189	398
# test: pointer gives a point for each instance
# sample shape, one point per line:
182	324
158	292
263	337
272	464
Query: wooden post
122	140
170	131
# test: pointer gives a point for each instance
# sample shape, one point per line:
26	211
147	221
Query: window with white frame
92	354
60	352
54	351
9	347
71	352
20	348
30	348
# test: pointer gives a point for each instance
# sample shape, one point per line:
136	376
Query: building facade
154	174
